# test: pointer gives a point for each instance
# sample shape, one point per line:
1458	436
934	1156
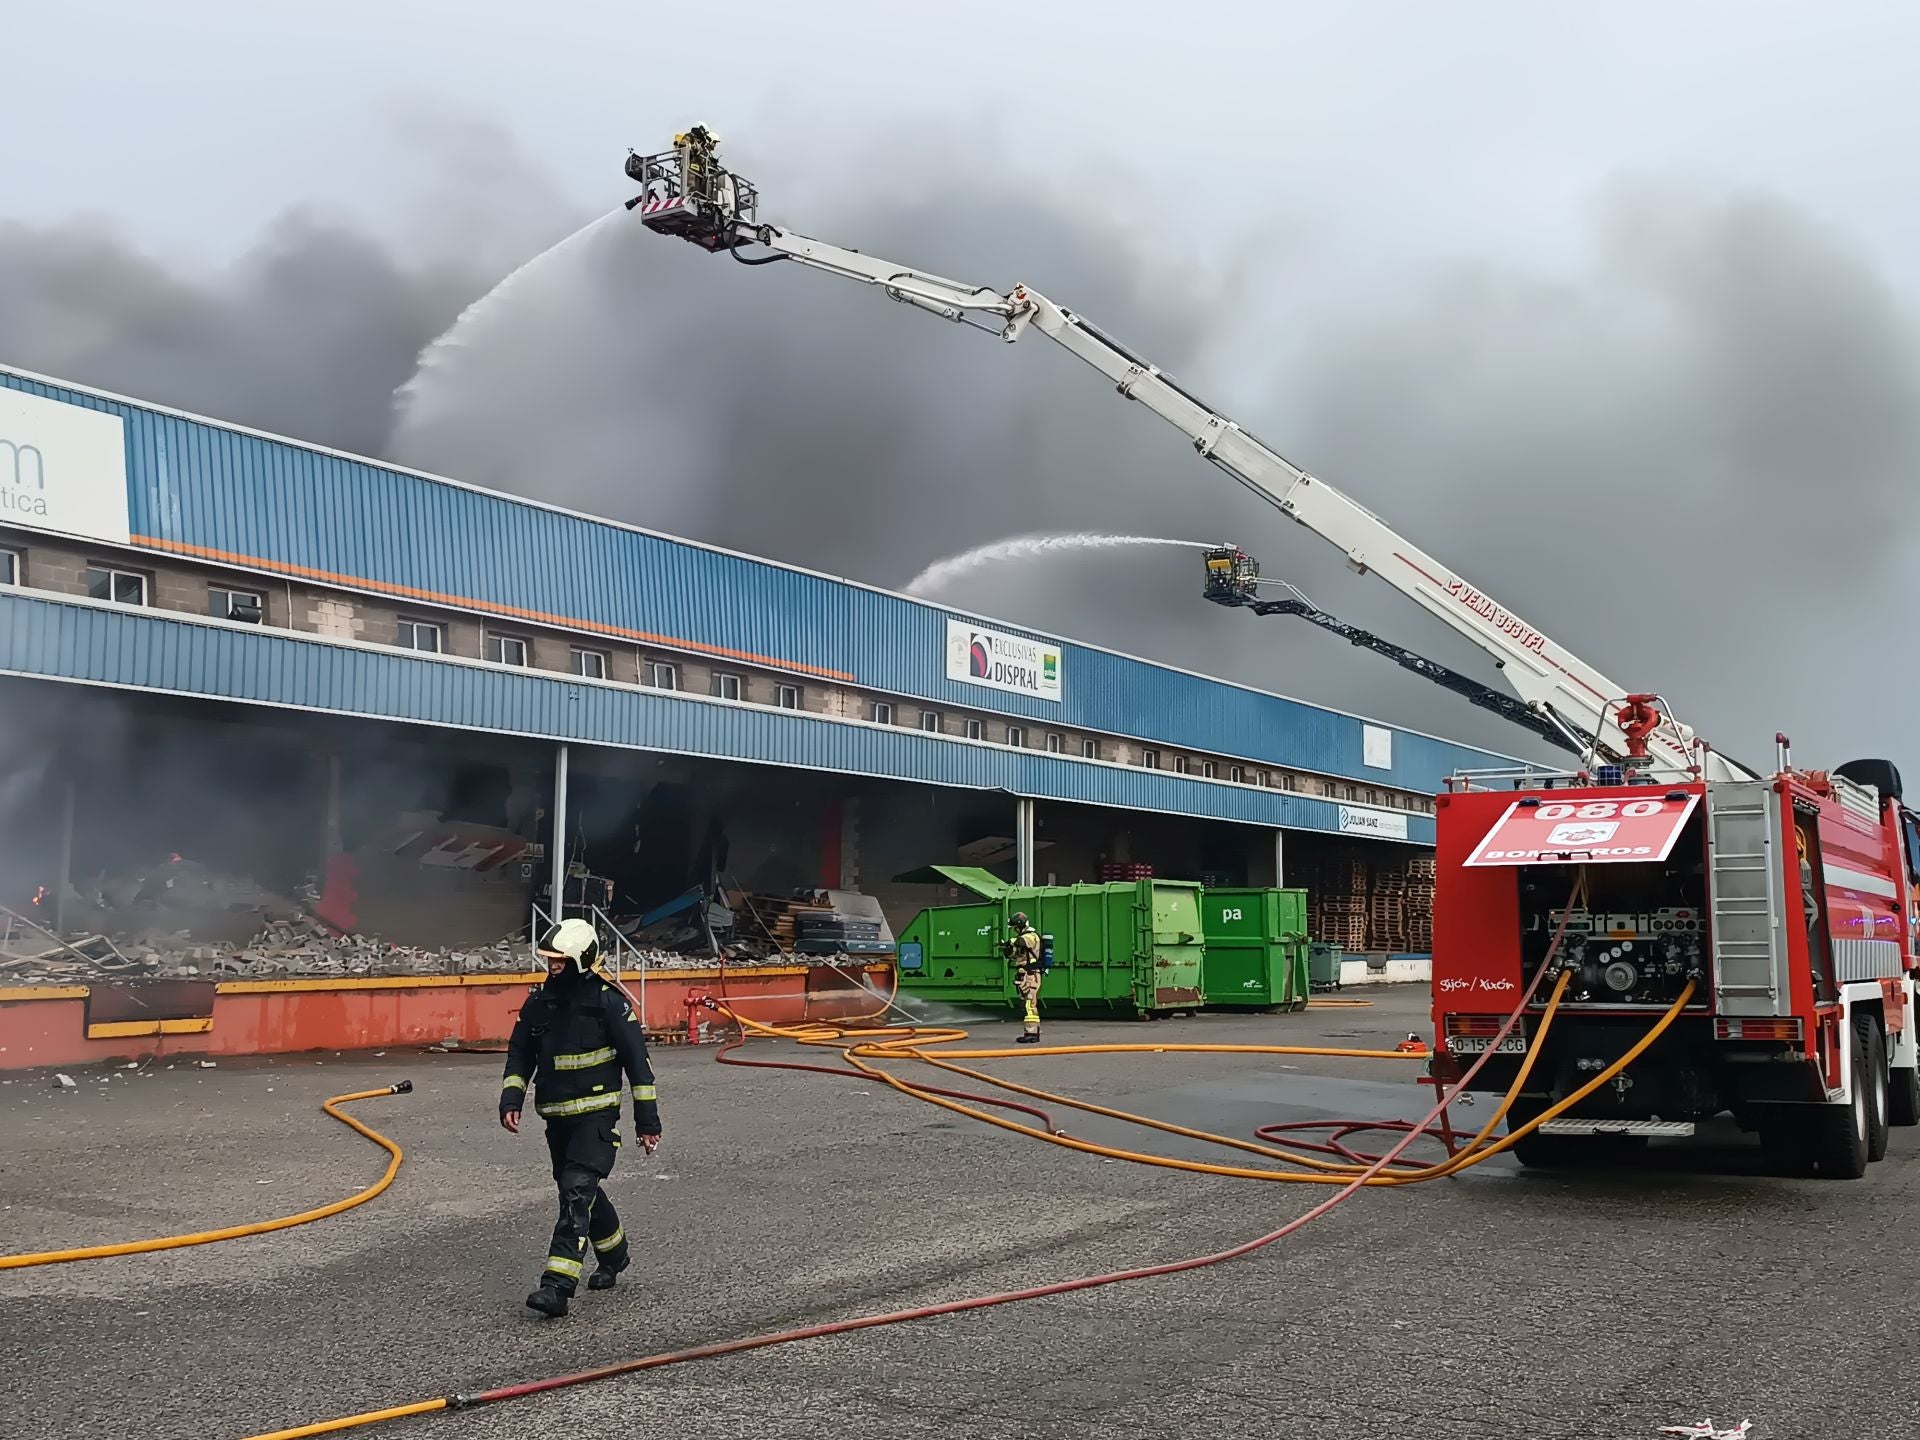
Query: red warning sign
1585	832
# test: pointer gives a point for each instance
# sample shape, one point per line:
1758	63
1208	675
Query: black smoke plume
1683	457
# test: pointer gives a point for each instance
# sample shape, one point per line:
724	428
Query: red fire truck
1774	914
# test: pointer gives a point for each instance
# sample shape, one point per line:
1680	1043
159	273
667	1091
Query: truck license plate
1477	1044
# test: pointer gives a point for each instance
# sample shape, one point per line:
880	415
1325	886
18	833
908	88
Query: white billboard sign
1014	663
1376	747
1385	824
62	468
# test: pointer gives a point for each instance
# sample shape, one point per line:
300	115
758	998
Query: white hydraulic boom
688	194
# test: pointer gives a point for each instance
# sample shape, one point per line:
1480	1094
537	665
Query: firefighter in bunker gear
1022	949
575	1039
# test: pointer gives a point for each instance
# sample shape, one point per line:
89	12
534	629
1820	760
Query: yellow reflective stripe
644	1092
612	1242
585	1060
514	1082
560	1265
582	1106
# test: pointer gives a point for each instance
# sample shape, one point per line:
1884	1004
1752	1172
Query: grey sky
1581	297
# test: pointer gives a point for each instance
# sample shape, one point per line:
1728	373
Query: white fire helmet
575	939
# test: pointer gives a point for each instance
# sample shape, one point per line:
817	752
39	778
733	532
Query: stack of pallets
1387	912
1420	904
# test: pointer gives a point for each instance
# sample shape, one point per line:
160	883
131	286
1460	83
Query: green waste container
1323	965
1256	948
1131	948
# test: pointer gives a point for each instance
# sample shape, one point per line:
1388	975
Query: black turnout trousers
583	1149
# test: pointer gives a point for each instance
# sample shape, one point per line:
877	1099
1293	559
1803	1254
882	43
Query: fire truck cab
1788	902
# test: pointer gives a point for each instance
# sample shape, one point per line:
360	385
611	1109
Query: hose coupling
464	1402
400	1087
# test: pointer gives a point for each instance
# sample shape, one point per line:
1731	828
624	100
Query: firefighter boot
548	1301
603	1278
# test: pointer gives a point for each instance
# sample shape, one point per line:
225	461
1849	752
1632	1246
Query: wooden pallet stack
1387	912
1368	902
774	920
1420	873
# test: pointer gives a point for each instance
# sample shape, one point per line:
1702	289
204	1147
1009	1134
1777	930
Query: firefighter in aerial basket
581	1045
1022	949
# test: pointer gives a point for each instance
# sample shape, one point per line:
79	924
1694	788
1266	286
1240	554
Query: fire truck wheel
1873	1075
1841	1136
1567	1152
1903	1097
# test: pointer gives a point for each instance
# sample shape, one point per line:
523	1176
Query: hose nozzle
401	1087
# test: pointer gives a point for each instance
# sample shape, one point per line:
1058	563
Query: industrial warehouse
287	713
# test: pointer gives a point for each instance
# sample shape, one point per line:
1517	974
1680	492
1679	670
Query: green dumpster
1323	965
1129	948
1256	948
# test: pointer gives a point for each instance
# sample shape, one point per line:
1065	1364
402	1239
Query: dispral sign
1585	832
1383	823
1015	663
62	467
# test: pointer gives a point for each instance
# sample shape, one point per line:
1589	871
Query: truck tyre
1552	1152
1903	1097
1873	1046
1839	1136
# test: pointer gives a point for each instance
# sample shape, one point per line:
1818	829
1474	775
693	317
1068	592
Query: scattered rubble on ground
287	941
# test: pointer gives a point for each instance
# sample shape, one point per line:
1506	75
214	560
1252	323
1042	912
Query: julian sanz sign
62	467
1015	663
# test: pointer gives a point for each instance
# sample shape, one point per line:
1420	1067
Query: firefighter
575	1039
1022	948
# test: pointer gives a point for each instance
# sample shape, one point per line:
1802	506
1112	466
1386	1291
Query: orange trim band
564	622
26	994
132	1029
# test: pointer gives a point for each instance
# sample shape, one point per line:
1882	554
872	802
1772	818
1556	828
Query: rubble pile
302	947
180	921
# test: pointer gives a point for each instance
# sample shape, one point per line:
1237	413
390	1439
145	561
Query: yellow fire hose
905	1043
859	1048
261	1227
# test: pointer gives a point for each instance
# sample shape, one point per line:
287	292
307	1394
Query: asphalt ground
1502	1303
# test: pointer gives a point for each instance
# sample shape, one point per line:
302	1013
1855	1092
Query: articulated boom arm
688	194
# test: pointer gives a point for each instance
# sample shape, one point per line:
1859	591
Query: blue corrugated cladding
74	640
203	489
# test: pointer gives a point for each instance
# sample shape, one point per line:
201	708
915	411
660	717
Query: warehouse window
787	697
663	675
973	729
1150	759
1056	744
882	713
1207	769
422	635
1352	793
224	604
1288	782
589	664
725	686
1266	779
1237	774
1180	765
506	650
930	721
1089	749
9	567
1016	736
122	587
